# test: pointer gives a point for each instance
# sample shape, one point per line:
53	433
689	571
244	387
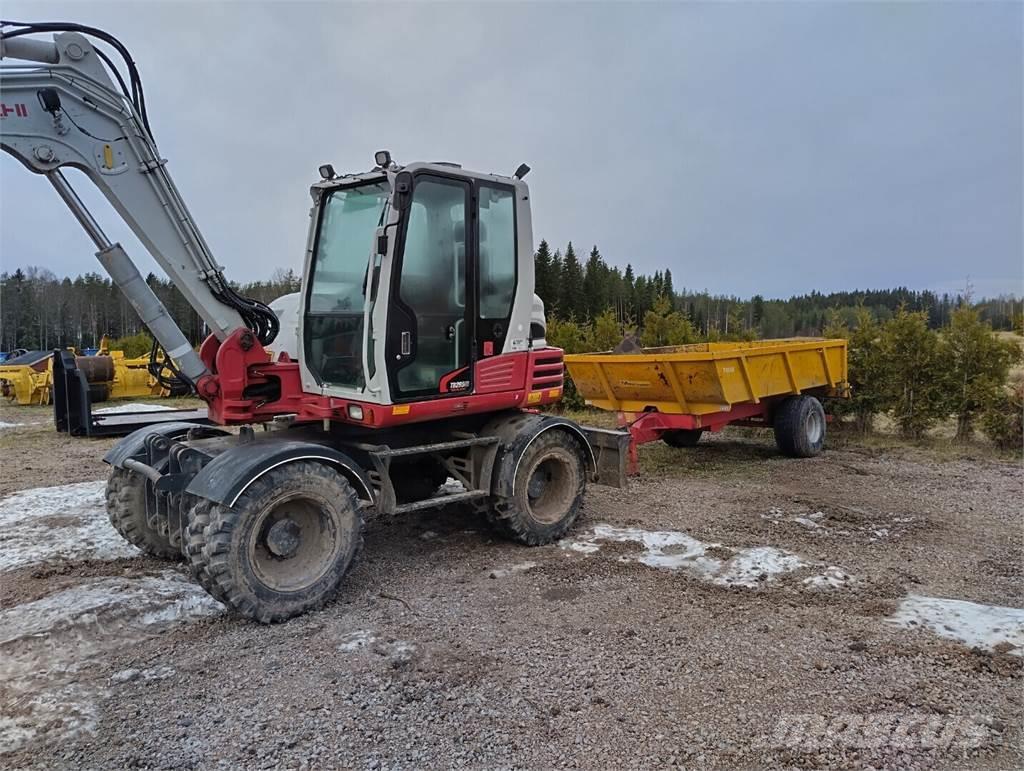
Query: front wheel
547	491
126	508
285	545
800	427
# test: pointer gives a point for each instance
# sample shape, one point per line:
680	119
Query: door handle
406	343
449	332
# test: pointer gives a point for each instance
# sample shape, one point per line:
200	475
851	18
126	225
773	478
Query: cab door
428	345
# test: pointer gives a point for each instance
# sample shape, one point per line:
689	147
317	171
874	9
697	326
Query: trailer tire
799	425
682	437
551	477
126	508
285	545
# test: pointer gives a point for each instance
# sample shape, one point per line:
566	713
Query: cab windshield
349	218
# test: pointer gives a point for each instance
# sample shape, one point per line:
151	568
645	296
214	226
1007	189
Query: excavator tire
283	548
195	556
126	507
548	491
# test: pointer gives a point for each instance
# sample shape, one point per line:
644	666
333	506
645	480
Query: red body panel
241	387
495	374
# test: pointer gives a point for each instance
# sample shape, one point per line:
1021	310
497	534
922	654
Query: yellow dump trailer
677	393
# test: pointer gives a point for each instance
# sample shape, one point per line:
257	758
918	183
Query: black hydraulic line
138	97
256	315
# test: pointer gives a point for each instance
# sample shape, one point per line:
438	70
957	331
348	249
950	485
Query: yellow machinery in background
28	379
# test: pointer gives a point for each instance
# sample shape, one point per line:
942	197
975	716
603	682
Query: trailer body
676	393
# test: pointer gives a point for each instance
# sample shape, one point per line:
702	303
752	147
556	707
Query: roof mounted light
522	171
327	171
382	158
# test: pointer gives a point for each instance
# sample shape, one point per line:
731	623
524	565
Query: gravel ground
450	648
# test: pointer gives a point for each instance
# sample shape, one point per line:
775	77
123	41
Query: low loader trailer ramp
675	394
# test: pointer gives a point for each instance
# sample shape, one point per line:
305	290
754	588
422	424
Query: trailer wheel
548	491
800	427
126	508
285	545
682	437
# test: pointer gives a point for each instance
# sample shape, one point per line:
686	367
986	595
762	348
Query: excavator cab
407	292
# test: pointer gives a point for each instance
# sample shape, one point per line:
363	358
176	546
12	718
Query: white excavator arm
63	110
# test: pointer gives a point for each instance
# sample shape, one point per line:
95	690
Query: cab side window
497	272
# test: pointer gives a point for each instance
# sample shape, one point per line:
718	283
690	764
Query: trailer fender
517	432
134	444
228	475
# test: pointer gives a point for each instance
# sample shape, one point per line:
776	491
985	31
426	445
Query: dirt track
447	647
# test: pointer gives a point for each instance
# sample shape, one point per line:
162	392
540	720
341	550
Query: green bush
1003	417
914	376
866	376
571	338
664	326
976	364
133	346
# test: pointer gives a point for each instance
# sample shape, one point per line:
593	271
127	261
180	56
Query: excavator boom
63	110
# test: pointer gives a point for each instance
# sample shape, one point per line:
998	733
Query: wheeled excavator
406	375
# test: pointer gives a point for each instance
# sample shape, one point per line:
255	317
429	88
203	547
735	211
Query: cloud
773	148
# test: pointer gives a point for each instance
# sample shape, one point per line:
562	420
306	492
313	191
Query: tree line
39	311
581	290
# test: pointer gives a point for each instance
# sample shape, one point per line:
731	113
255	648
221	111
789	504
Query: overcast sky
751	148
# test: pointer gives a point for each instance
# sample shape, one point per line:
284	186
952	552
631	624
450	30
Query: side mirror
403	191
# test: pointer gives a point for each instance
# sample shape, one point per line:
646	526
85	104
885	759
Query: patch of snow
49	524
357	640
161	672
428	535
673	550
517	568
452	485
4	424
831	578
749	567
48	648
399	651
131	407
974	624
810	521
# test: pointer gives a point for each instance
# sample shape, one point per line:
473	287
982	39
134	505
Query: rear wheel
126	508
547	491
682	437
800	427
285	545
